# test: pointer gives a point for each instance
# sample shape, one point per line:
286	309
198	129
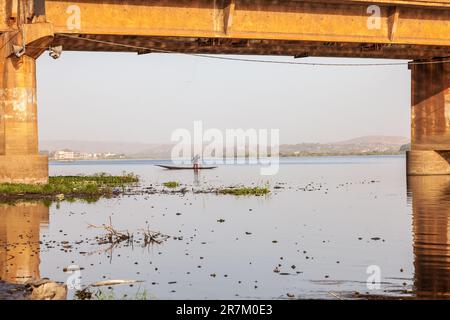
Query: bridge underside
200	45
394	29
404	29
417	30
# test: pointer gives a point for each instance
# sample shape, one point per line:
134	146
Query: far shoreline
281	157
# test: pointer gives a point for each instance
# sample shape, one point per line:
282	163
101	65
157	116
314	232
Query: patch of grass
111	295
101	295
141	295
245	191
171	184
97	184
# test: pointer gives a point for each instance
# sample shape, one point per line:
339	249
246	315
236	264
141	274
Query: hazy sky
131	98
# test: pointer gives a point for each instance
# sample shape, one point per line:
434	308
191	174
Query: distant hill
372	140
367	145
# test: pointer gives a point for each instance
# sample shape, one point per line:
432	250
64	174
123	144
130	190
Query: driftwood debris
151	237
87	294
112	283
114	237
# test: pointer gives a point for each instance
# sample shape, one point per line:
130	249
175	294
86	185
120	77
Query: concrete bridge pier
430	119
20	161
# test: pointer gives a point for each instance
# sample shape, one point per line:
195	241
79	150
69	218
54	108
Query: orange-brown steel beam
418	3
338	21
414	22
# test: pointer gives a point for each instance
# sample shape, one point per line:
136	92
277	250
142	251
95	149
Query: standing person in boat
195	161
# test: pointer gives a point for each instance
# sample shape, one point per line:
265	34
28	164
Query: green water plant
245	191
171	184
61	187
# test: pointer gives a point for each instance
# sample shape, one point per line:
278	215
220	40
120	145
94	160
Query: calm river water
331	224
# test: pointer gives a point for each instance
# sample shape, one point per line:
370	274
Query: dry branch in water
113	236
112	283
151	237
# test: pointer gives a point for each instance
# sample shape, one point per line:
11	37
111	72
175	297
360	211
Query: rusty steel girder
399	28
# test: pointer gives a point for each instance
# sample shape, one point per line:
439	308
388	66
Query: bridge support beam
20	161
430	119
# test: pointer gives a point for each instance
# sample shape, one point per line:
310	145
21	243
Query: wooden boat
190	167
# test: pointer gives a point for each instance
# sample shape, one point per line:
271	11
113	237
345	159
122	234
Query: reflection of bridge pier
431	230
19	240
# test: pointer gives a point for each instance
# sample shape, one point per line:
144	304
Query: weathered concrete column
430	119
20	161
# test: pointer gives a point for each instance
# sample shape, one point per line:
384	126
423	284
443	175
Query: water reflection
430	196
323	229
196	178
20	226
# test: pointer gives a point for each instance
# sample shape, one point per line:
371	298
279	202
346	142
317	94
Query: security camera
18	51
55	52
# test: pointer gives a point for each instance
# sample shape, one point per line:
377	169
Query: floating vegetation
171	184
69	187
245	191
171	188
